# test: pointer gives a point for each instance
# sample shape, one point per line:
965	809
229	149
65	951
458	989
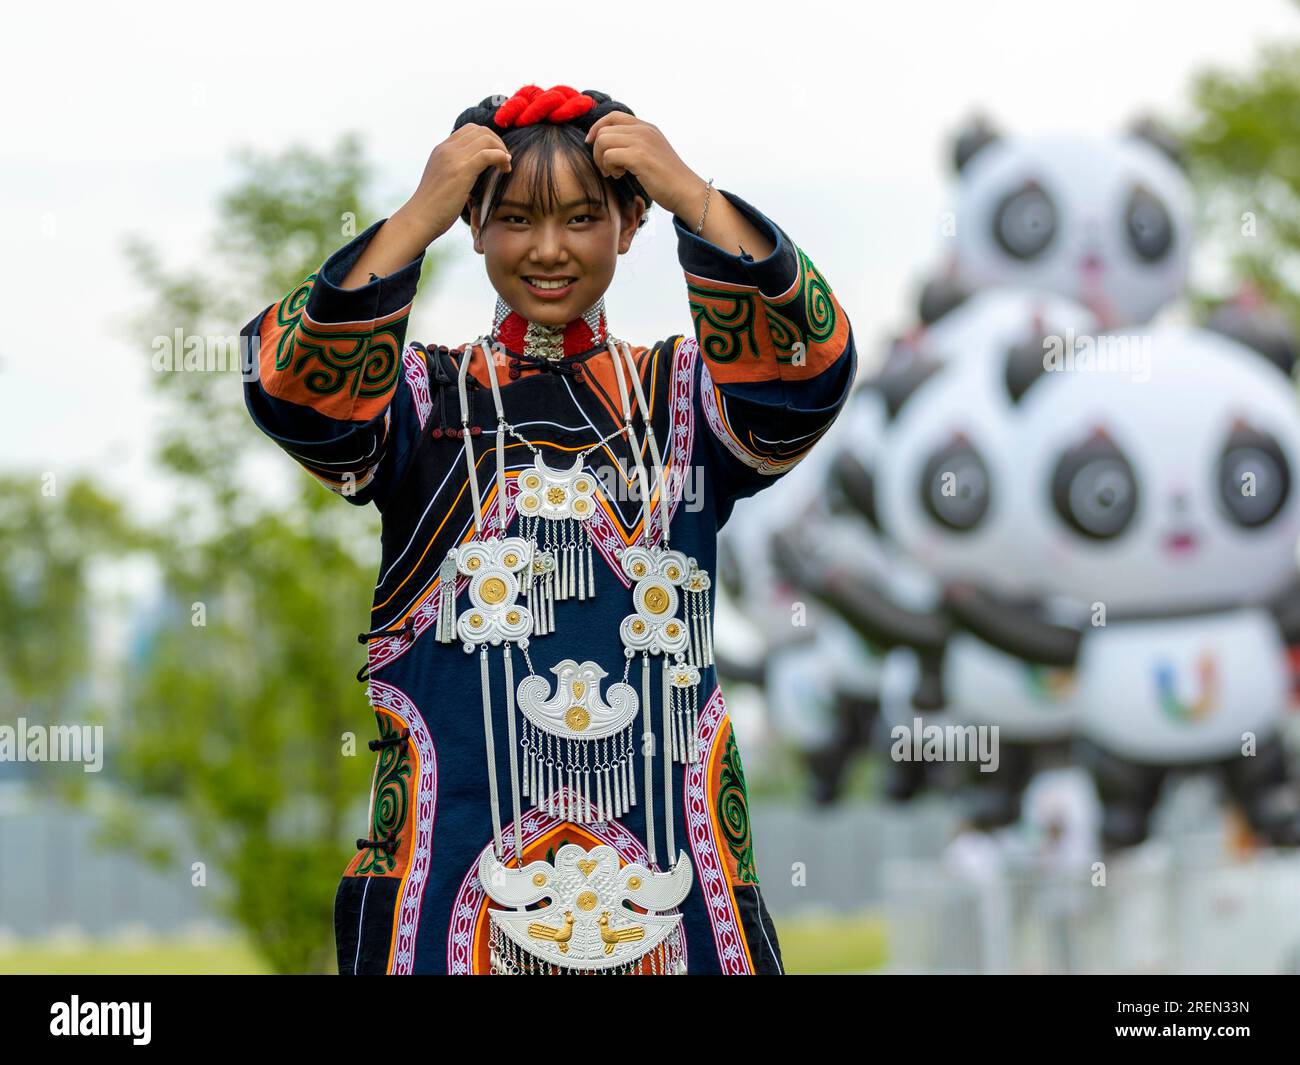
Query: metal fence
1175	905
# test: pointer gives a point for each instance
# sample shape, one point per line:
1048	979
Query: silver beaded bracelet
708	191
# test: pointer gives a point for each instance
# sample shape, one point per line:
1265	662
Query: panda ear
939	296
1261	328
1024	366
976	134
1161	137
897	386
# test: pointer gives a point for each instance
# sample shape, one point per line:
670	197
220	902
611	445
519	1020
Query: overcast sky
832	119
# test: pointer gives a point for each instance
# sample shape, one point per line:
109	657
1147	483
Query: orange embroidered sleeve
323	367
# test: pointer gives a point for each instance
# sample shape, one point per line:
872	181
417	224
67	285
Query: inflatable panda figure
1164	504
937	489
1104	221
820	680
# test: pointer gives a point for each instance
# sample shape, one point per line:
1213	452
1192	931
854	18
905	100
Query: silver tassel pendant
539	591
515	803
548	594
647	744
582	565
683	680
561	562
699	615
485	686
446	630
572	546
591	570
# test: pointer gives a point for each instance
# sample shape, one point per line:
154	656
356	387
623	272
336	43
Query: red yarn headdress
532	104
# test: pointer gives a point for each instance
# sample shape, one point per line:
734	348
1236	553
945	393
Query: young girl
558	788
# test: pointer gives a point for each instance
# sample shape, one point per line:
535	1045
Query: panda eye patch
1025	222
954	487
1254	478
1094	490
1150	229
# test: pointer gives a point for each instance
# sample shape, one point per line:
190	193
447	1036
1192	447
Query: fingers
616	161
475	135
497	157
614	118
487	149
493	139
612	142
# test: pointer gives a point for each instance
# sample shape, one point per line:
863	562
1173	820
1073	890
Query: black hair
549	139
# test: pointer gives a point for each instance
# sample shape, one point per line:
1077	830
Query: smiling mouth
549	288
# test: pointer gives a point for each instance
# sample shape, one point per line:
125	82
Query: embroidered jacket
735	406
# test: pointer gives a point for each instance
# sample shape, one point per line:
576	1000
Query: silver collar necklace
547	341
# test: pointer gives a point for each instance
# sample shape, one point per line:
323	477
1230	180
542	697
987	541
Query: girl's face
578	241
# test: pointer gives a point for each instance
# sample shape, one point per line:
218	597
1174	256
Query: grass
833	944
808	945
166	957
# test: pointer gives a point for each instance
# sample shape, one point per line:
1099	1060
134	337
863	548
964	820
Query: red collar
578	336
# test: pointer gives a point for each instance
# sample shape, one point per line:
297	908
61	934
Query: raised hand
621	142
450	174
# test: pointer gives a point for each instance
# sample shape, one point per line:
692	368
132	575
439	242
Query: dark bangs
548	142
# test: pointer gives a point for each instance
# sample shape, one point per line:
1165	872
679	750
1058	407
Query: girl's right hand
450	174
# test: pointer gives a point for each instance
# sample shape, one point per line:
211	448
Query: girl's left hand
622	142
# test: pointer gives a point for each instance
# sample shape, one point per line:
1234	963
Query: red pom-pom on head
575	105
560	103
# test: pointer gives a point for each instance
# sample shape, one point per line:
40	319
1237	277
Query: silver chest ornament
578	744
585	926
555	509
654	628
575	743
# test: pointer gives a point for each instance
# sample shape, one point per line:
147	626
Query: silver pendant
555	508
654	626
584	925
580	738
494	614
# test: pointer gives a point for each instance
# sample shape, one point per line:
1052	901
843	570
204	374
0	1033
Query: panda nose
1178	501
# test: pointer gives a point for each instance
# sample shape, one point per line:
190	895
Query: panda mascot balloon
820	680
1162	501
1104	221
937	492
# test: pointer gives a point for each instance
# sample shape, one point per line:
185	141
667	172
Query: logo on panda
1178	708
1047	684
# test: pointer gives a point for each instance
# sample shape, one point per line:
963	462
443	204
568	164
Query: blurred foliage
237	711
51	534
1243	150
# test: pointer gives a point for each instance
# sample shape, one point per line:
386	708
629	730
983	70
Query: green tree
53	534
1243	147
238	716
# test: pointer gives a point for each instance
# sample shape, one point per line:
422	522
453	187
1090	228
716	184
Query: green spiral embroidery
785	334
392	784
298	298
733	811
819	307
286	315
363	362
729	318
